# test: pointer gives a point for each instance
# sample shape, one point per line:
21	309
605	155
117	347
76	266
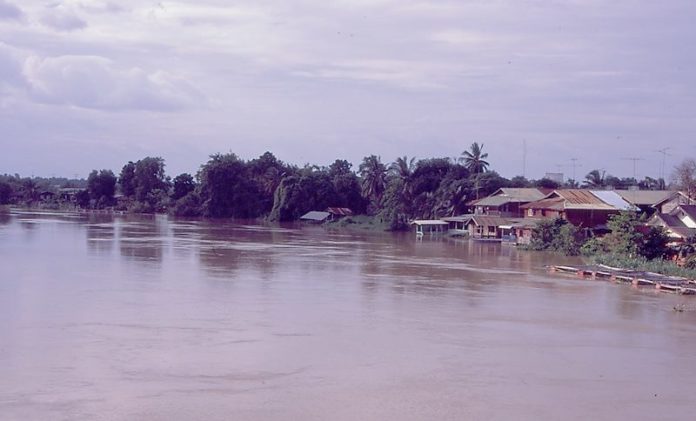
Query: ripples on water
123	318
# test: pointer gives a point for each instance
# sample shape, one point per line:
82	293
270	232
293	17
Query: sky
88	84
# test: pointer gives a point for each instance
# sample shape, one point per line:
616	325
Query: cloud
397	73
10	68
459	37
9	11
95	82
62	18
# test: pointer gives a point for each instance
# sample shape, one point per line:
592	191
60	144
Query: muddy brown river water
135	318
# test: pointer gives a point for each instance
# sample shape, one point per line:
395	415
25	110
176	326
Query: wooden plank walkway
662	283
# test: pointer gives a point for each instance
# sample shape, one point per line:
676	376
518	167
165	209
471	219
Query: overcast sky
92	84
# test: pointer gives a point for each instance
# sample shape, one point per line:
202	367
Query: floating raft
662	283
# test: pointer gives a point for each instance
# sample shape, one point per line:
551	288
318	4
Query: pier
635	278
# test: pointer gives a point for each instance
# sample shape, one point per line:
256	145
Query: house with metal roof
669	203
583	208
679	224
645	200
506	201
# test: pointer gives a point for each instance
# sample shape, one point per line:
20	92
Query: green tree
624	237
227	188
547	183
556	235
474	159
347	186
653	245
299	194
373	175
126	179
594	179
519	181
5	193
149	176
101	187
183	185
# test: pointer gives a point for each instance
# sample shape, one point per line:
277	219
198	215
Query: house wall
543	213
589	218
672	204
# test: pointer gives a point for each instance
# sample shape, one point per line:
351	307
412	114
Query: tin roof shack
315	217
680	223
506	201
669	203
486	227
582	208
430	226
645	200
457	224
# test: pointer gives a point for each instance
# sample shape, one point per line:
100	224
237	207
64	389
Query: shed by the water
315	216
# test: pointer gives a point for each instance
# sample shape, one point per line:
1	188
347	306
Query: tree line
227	186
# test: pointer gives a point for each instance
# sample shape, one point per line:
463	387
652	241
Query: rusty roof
339	211
570	199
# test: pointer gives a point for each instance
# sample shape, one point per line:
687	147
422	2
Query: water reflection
5	217
101	234
142	238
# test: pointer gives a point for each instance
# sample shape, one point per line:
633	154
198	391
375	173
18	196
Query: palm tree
374	177
403	167
474	159
594	179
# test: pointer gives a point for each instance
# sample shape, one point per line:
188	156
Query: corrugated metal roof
523	194
611	197
340	211
315	216
495	201
460	218
644	197
489	221
574	199
429	222
579	197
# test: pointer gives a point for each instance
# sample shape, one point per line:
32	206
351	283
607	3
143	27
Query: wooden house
672	201
582	208
645	200
679	223
506	201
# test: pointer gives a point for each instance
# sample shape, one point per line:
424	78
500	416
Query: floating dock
662	283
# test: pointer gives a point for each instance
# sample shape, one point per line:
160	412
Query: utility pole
664	153
524	158
634	159
575	160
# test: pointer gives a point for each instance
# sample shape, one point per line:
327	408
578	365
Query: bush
189	205
556	235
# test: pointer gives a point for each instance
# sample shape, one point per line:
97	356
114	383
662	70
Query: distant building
555	176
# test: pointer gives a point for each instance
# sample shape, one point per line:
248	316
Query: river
149	318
